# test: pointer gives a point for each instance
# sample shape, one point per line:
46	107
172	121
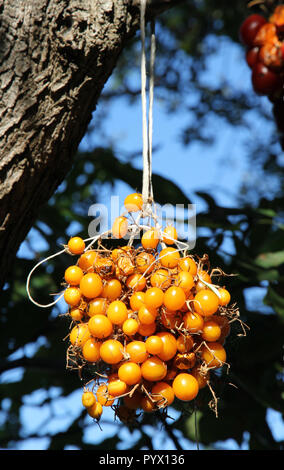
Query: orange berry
76	314
137	300
169	345
206	303
174	298
103	396
145	262
148	405
117	312
97	306
225	297
188	264
72	296
117	387
193	322
170	235
184	280
153	369
147	315
154	297
91	350
169	257
185	387
120	227
87	260
130	326
147	330
111	351
163	393
91	285
136	281
211	331
137	351
130	373
95	411
133	202
213	354
150	239
100	326
88	399
76	245
161	278
184	343
202	275
73	275
79	334
154	345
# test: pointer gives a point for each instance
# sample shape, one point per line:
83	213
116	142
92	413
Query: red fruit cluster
265	51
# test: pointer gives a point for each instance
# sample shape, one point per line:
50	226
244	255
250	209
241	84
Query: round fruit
100	326
137	300
88	399
225	297
206	303
103	396
164	393
211	331
169	257
137	351
91	350
161	278
184	280
213	354
174	298
130	373
95	411
120	227
79	334
73	275
130	326
111	351
153	369
136	281
117	387
87	260
91	285
97	306
72	296
264	81
117	312
185	387
154	345
147	315
150	239
169	345
193	322
170	235
76	245
112	289
250	27
188	264
252	56
133	202
154	297
144	262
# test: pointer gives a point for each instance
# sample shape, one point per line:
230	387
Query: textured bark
55	57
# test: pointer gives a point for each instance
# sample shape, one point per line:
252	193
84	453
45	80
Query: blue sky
220	169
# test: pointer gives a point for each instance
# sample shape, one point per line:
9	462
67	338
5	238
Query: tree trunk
55	56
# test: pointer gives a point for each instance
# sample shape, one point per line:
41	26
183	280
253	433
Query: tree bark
55	58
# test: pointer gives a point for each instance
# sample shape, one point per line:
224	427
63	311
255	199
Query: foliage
32	338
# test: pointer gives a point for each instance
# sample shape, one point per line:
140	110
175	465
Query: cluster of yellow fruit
147	319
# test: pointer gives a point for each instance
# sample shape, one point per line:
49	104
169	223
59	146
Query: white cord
147	189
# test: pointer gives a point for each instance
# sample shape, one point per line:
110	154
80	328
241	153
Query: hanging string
147	128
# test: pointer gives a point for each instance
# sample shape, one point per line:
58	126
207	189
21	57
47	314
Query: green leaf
268	260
